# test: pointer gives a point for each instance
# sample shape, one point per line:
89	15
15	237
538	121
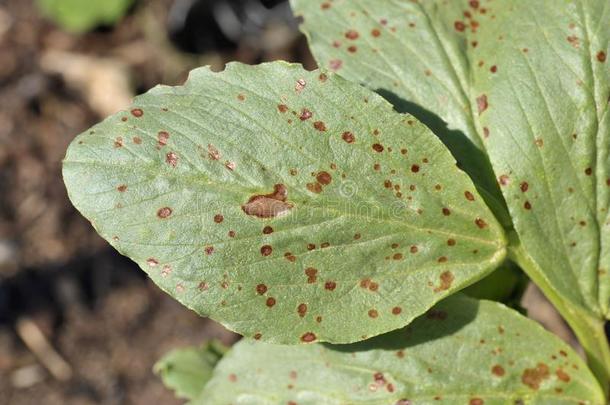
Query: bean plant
332	217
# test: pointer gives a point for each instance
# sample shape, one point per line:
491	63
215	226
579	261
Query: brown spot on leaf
533	377
266	250
308	337
415	168
469	196
137	112
324	178
118	142
348	137
164	212
320	126
330	285
305	114
137	140
335	64
311	274
588	171
352	49
498	370
396	310
446	211
524	186
375	32
352	34
446	279
476	401
450	242
504	180
261	289
562	375
302	310
300	85
493	69
208	250
122	188
482	103
171	159
257	336
377	147
270	302
480	223
527	205
213	153
373	313
282	108
459	26
314	187
267	230
218	218
162	138
152	262
601	56
268	205
290	257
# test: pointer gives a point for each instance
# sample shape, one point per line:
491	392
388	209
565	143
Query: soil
97	310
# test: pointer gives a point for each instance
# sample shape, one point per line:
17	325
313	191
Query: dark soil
96	308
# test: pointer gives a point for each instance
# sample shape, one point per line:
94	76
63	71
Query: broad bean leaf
530	80
83	15
408	52
290	206
187	370
463	351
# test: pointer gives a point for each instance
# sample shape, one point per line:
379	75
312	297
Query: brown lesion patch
533	377
446	279
269	205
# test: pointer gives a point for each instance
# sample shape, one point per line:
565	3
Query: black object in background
199	26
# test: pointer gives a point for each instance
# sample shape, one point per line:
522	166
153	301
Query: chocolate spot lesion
269	205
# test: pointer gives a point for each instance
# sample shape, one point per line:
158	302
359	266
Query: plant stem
588	328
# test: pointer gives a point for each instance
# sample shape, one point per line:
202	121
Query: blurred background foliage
79	324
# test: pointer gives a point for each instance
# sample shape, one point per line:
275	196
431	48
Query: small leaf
463	351
81	16
186	371
291	206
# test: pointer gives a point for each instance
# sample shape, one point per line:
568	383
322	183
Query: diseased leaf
549	137
187	370
463	351
83	15
414	54
531	80
291	206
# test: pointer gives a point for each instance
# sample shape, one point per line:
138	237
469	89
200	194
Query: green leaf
549	137
463	351
410	53
80	15
531	81
506	284
187	370
288	205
